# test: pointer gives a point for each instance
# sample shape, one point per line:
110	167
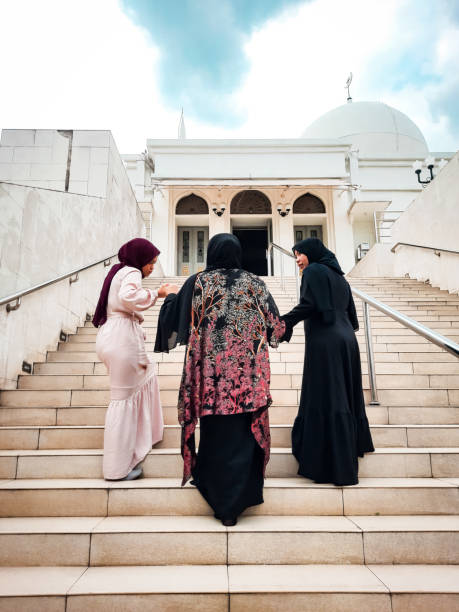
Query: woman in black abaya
331	430
227	318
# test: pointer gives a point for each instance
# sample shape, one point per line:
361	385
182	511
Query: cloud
203	58
81	65
299	63
94	65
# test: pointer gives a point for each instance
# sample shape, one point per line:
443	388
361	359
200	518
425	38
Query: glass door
301	232
192	248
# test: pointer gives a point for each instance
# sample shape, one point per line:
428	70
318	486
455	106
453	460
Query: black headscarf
316	276
224	251
317	252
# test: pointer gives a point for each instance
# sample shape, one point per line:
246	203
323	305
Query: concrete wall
432	220
232	159
46	232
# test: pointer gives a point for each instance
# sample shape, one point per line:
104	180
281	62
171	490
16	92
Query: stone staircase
71	541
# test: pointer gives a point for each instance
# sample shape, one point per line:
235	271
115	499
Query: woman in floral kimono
134	420
228	319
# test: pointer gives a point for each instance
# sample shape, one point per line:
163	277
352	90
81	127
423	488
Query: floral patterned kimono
228	319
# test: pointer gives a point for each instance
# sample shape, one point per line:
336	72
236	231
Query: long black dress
228	319
331	429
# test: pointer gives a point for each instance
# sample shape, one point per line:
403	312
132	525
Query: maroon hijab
135	253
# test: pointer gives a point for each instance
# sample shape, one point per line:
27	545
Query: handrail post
15	306
282	274
370	356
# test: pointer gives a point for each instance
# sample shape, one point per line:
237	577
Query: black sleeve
300	312
352	313
174	318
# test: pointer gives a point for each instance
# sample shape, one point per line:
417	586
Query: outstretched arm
174	318
300	312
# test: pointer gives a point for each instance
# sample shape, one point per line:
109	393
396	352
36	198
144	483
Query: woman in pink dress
134	420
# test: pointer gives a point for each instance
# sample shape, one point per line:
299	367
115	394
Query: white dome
378	130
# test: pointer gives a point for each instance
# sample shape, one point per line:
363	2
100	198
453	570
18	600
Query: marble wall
432	220
46	231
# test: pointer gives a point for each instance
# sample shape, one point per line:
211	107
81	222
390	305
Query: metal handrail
427	333
273	245
421	246
383	222
73	276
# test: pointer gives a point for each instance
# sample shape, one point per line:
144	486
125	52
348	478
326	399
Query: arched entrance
192	214
310	226
251	222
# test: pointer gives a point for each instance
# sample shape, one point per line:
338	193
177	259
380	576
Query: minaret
181	128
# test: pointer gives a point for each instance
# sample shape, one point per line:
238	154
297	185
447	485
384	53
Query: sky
238	68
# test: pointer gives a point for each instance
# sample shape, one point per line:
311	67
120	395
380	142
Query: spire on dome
181	128
348	84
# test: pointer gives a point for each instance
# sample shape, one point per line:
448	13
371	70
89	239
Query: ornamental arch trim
191	204
250	202
308	204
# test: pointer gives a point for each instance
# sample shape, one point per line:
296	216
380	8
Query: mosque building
332	182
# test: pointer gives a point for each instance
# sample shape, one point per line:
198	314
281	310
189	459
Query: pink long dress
134	419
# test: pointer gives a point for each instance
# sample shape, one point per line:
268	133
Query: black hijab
316	275
317	252
224	251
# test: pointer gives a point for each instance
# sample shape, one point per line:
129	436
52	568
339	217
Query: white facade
357	159
65	202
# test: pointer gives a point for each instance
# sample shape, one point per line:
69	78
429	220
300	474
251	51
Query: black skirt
229	465
331	430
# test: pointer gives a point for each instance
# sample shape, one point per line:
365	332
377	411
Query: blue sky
239	68
202	56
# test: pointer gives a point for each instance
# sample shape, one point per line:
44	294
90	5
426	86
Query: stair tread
279	450
258	524
175	483
80	580
178	427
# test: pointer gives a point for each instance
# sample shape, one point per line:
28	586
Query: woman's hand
167	288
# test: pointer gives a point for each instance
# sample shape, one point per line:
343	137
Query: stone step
91	436
384	336
167	462
399	352
195	540
395	396
283	496
277	367
219	588
95	415
394	380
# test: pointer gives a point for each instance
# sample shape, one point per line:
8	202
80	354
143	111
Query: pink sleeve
133	296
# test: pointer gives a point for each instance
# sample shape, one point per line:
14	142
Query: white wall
432	220
246	158
45	232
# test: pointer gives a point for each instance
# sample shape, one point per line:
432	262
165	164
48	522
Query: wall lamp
219	210
283	211
429	163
